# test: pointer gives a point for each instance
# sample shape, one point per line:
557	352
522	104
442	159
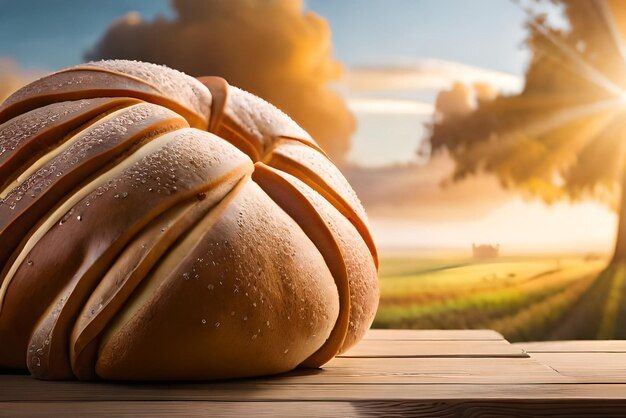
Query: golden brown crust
159	85
138	248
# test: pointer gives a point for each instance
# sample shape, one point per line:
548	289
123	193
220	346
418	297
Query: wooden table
391	372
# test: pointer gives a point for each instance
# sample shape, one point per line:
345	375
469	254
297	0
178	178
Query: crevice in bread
25	138
68	140
47	188
218	87
86	82
361	275
302	211
319	173
174	85
135	262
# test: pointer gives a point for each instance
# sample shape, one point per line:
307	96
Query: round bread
157	226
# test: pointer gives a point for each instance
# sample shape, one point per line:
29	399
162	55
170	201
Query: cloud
462	99
427	74
12	77
457	101
271	48
390	106
414	191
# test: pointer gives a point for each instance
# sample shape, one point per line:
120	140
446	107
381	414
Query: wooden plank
590	346
434	349
356	371
432	334
429	370
609	367
422	408
263	391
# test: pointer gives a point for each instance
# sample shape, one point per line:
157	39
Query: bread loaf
157	226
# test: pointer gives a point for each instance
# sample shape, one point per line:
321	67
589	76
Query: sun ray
608	15
568	115
484	149
586	70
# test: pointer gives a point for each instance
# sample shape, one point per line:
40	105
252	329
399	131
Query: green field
524	298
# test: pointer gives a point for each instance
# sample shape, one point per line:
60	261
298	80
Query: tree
564	134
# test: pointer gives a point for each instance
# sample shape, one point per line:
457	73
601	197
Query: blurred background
485	138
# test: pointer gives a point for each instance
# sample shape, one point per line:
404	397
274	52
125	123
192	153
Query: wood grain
264	391
587	346
432	334
434	349
607	366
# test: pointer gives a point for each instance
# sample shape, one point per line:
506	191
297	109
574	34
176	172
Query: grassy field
524	298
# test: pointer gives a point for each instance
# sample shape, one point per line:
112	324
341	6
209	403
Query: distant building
484	251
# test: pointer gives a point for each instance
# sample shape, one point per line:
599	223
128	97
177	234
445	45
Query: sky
42	37
365	32
397	55
383	32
